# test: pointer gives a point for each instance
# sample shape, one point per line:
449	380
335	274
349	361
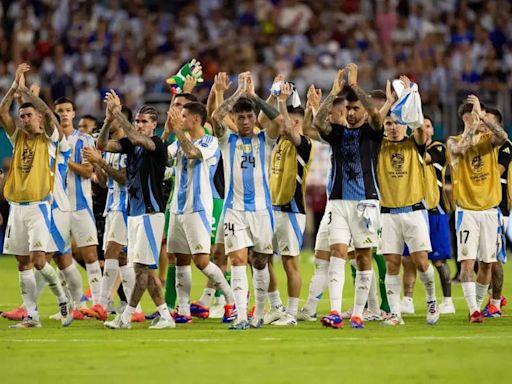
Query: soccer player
28	189
493	308
477	194
438	208
192	206
111	172
290	163
145	167
248	219
87	124
83	225
352	215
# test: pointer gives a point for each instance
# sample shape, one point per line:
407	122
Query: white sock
207	297
128	280
393	288
496	303
362	288
65	287
126	316
50	275
336	276
293	306
183	287
94	278
481	293
469	291
110	272
40	283
317	285
275	299
74	283
260	281
28	292
214	274
373	298
164	311
240	286
428	280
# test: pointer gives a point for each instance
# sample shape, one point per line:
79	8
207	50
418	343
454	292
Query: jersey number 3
247	160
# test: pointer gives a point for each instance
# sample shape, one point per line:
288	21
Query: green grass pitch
453	351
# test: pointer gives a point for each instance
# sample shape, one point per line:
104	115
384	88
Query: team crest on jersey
397	161
477	163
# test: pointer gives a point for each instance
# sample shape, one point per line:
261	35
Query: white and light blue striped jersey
79	188
192	185
117	197
60	197
246	171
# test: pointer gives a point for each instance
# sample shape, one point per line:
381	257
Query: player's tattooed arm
263	120
93	156
374	115
191	151
222	111
102	142
390	100
6	119
321	122
459	148
499	135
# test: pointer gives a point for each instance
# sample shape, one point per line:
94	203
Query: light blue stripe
205	221
248	178
155	205
296	228
57	237
89	210
228	202
458	223
182	192
196	185
151	237
44	209
264	165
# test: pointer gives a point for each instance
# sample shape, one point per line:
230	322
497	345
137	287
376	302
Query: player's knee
259	261
201	261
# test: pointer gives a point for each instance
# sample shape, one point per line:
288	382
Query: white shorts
60	239
289	233
83	228
28	229
322	236
353	222
145	238
478	234
116	224
190	233
248	229
409	228
219	236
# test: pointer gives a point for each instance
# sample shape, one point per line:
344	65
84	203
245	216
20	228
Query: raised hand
337	85
250	85
390	94
92	155
477	108
19	78
286	91
189	84
221	82
407	82
113	103
174	119
314	96
352	74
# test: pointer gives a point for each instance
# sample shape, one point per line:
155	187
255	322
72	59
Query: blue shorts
439	238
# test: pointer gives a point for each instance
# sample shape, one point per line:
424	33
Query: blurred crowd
82	48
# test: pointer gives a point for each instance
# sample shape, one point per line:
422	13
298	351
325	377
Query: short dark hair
188	96
64	100
338	100
244	104
27	105
197	108
90	117
351	96
295	110
496	113
378	94
149	110
427	117
127	112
